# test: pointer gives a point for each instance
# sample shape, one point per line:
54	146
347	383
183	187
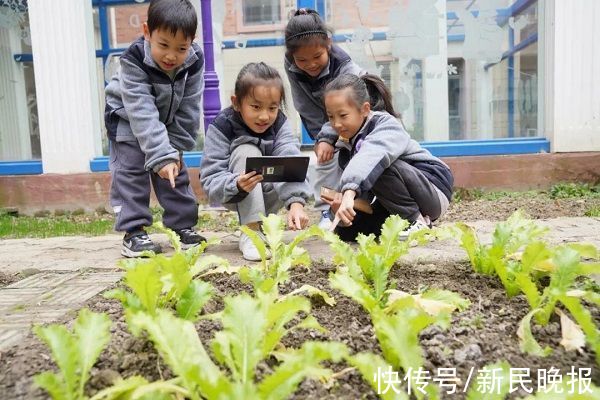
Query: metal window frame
455	148
242	27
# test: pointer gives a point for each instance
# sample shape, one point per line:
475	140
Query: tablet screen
279	168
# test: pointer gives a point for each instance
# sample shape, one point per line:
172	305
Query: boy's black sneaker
135	243
189	238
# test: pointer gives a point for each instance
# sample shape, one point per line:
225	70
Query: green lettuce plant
363	274
251	333
266	277
563	264
509	237
74	353
520	260
284	256
162	281
397	317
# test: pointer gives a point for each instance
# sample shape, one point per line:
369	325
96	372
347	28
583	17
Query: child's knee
247	150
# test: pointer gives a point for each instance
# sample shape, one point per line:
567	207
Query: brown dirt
483	334
7	279
537	206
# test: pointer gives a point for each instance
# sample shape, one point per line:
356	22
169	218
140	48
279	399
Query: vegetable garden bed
482	331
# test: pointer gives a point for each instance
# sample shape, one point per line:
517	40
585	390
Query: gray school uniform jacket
307	92
380	142
229	131
143	103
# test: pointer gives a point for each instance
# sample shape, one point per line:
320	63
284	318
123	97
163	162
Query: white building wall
572	57
66	83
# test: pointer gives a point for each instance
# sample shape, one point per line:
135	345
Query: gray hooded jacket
143	103
307	92
229	131
381	141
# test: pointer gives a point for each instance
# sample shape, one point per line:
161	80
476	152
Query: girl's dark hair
174	15
305	27
254	74
366	88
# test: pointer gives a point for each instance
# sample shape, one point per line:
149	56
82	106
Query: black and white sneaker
136	243
189	238
415	226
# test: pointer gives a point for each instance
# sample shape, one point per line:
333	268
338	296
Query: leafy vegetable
508	238
283	256
266	278
251	332
363	274
74	352
167	281
398	317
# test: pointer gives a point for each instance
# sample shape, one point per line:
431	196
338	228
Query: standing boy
152	115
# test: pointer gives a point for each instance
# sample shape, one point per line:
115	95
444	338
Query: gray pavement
64	272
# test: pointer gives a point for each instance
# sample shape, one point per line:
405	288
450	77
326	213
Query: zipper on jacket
170	102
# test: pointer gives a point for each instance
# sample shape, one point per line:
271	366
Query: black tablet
279	168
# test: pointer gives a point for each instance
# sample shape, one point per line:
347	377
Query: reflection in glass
19	129
429	52
125	24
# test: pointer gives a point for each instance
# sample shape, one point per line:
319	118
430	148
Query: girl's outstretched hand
324	152
248	181
297	218
345	213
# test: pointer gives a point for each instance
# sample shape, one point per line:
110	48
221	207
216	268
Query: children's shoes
189	238
325	222
420	224
136	243
249	250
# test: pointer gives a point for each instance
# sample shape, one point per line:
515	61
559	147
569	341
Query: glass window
457	69
260	15
125	23
19	130
456	103
261	12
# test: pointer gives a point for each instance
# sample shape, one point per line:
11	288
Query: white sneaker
249	250
412	228
325	222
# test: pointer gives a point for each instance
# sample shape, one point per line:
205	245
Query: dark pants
400	190
130	191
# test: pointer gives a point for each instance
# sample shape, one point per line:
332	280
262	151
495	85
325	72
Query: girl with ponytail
380	162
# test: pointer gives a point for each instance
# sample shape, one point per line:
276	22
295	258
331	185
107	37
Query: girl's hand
247	182
170	172
297	218
335	203
345	213
324	152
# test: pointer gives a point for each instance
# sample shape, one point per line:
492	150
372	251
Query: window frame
243	28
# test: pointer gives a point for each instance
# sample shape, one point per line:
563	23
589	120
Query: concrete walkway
63	273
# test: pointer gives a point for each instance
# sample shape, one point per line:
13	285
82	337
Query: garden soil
482	334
